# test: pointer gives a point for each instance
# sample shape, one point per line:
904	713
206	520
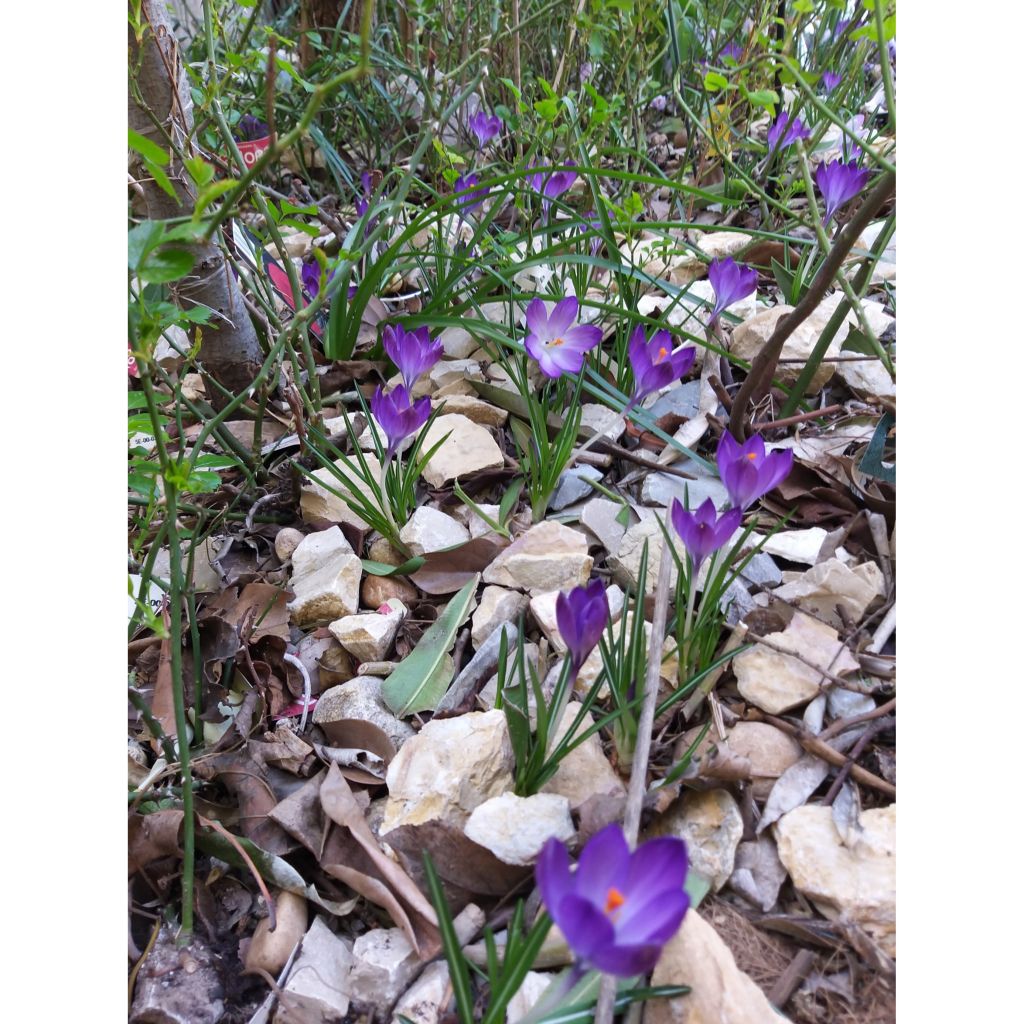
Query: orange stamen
752	456
662	352
614	901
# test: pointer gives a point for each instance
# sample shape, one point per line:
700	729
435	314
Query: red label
251	151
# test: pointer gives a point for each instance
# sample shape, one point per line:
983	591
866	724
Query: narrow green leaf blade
419	682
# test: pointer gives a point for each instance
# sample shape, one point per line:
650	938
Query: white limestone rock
776	682
325	578
497	606
429	529
712	826
318	982
515	828
319	503
469	448
368	636
549	556
720	992
749	337
360	698
853	881
446	771
831	584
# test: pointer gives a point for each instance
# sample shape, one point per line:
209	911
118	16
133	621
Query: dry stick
797	970
642	753
815	746
858	748
791	421
762	369
848	723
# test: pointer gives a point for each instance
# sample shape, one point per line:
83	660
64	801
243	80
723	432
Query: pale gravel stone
446	771
725	995
515	828
368	636
497	605
468	449
749	337
777	682
360	698
831	584
429	529
853	881
325	578
318	982
549	556
712	826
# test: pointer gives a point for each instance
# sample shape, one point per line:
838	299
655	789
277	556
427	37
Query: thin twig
642	753
762	369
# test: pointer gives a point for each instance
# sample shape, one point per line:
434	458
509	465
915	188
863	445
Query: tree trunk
230	350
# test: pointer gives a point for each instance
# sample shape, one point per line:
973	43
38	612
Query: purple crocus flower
838	183
485	128
592	222
310	276
413	352
654	363
551	185
250	128
582	615
556	341
732	281
704	531
475	198
830	79
659	103
363	202
620	908
733	51
747	472
785	131
398	415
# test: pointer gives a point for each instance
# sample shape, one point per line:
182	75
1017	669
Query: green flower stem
883	62
170	474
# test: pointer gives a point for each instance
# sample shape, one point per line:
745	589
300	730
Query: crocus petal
536	318
562	316
553	876
659	864
604	863
625	961
654	918
583	337
586	928
548	365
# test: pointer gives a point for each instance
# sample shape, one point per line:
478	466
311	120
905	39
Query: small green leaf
763	98
200	170
207	195
141	239
419	682
857	341
166	264
713	81
383	569
548	109
147	149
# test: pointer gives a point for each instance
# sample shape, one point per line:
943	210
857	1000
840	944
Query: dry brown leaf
341	807
444	572
302	817
152	836
246	779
